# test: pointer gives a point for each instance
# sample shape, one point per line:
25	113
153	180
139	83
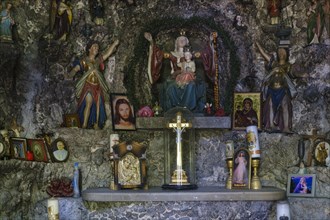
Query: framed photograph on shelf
302	185
18	148
322	152
59	151
39	149
72	120
123	116
241	169
246	110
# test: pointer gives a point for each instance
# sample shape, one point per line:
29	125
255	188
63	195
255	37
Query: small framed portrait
59	151
39	149
18	148
242	169
72	120
301	185
246	110
123	116
322	153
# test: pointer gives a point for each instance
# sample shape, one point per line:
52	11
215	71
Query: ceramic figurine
274	11
97	11
6	24
60	19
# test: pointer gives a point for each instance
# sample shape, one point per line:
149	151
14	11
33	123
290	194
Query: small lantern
179	149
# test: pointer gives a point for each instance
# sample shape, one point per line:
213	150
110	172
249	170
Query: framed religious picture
246	110
130	170
72	120
322	153
59	151
301	185
123	116
39	149
18	148
241	169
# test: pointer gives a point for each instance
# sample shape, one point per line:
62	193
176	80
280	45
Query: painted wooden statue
181	88
6	24
278	91
92	90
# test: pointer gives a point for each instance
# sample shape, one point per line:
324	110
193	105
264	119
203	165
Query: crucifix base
179	187
179	176
179	181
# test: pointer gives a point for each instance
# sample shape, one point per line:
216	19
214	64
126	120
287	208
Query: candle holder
230	169
53	209
255	182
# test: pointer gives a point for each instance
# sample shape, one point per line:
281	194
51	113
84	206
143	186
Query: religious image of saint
240	174
37	152
129	170
246	116
123	115
6	24
91	89
61	153
322	152
180	88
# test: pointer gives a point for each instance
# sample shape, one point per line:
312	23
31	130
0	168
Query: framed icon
302	185
72	120
322	152
242	169
130	165
59	151
246	110
123	115
18	148
39	149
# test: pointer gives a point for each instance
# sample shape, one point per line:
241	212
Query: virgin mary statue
173	92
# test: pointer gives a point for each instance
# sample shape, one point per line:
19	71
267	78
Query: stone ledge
198	122
209	193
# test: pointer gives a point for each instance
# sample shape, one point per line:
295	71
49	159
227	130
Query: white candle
282	211
229	149
253	141
53	210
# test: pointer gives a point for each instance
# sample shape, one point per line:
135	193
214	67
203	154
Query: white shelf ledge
156	194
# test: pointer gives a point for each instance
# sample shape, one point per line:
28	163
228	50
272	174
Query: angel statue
60	19
182	88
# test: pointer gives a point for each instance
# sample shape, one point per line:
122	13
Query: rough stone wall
36	93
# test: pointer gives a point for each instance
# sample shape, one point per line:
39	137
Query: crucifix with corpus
179	175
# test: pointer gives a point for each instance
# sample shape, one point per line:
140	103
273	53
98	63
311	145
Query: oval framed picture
59	151
322	152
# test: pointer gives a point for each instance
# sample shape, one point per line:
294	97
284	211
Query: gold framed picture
322	152
246	110
18	148
242	169
123	116
72	120
39	149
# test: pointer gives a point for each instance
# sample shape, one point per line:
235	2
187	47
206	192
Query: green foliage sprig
154	27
